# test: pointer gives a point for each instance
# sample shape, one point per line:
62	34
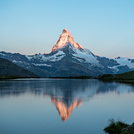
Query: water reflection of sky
78	102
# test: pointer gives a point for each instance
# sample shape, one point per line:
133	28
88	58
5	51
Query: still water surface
63	106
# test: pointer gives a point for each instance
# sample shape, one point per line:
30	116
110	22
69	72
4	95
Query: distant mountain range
11	70
68	58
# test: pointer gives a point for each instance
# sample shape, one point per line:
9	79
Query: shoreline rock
128	130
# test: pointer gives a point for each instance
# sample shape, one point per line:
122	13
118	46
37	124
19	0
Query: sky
105	27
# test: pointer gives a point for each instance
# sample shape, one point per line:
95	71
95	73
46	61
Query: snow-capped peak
64	39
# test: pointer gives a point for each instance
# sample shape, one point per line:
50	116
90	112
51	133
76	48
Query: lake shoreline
7	77
104	78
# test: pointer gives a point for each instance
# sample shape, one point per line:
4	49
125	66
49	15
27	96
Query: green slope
11	70
127	77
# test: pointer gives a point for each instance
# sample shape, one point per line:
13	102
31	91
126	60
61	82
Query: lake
63	106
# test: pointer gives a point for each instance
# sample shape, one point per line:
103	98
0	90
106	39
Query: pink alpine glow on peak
64	39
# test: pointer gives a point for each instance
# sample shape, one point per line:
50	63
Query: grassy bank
119	127
75	77
9	77
127	77
4	77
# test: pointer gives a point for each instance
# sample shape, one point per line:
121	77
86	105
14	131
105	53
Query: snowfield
56	57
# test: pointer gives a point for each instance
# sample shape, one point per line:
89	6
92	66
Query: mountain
64	39
9	70
117	65
69	58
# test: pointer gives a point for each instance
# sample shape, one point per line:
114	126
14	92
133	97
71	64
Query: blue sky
105	27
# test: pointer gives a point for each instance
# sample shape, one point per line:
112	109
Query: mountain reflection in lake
97	102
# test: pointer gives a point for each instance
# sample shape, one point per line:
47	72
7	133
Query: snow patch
2	54
20	62
86	56
115	68
28	57
56	57
125	61
122	62
14	61
42	65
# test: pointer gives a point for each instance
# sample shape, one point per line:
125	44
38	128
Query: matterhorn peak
64	39
65	31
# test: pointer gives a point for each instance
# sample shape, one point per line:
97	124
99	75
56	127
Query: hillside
127	77
11	70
